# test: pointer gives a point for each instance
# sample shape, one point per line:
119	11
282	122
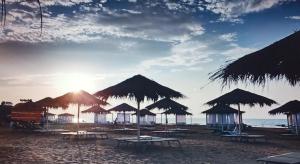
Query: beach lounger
287	158
84	135
244	137
146	140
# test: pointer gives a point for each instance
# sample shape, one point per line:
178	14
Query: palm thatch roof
276	61
81	97
239	96
139	88
50	114
28	107
49	103
96	109
177	111
221	109
166	103
123	108
145	112
290	107
66	114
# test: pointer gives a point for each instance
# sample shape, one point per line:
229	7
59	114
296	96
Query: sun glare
75	82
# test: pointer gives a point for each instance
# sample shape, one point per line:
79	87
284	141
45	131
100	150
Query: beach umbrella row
140	89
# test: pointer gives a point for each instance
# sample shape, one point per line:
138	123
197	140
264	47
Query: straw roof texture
276	61
177	111
66	114
95	109
123	107
239	96
145	112
81	97
166	103
139	88
221	109
290	107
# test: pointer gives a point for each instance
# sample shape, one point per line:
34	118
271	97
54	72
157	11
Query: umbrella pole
78	109
47	125
296	124
239	115
124	119
222	122
176	120
138	121
166	121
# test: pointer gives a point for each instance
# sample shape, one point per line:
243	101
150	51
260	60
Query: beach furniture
122	117
287	158
99	114
292	110
238	97
147	117
125	130
165	133
222	117
244	137
146	141
84	135
65	118
51	131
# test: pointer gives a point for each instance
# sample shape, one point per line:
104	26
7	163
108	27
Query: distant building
65	118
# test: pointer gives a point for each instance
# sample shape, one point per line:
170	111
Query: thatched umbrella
80	98
177	111
28	107
123	108
139	88
221	109
144	113
237	97
96	109
292	107
276	61
167	104
49	103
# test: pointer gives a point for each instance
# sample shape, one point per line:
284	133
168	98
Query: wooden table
287	158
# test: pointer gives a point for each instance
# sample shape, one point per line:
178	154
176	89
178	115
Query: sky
93	44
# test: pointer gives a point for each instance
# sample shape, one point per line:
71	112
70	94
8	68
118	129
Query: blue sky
176	43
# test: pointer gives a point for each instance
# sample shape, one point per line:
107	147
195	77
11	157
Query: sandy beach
199	147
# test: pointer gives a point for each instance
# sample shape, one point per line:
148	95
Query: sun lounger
287	158
244	137
84	135
146	140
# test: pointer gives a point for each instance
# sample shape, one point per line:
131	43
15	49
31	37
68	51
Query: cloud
187	55
82	21
235	51
231	10
293	17
229	37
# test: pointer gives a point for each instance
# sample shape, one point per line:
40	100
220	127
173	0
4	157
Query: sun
75	82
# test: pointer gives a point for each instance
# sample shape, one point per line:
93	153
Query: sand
200	147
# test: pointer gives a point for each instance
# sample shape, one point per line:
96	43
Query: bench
287	158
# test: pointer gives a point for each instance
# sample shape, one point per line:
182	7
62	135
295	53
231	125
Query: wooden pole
78	110
138	121
124	119
239	116
296	124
